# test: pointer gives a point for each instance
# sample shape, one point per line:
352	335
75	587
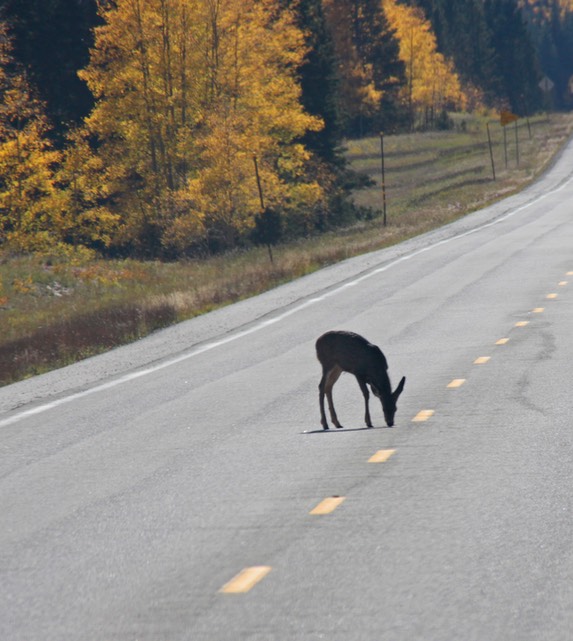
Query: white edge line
271	321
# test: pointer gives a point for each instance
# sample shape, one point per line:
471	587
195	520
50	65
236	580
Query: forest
164	129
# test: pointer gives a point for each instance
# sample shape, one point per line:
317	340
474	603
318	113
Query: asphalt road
136	487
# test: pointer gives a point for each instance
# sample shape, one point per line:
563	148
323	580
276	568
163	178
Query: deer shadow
342	430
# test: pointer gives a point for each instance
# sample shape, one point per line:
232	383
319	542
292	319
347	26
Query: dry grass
53	313
433	173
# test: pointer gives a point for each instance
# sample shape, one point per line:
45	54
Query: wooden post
490	150
262	201
259	183
383	176
516	144
505	144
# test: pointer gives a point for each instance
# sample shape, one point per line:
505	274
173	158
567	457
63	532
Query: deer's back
351	352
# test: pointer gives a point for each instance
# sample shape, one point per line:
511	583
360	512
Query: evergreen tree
492	48
52	40
565	49
550	23
321	87
377	44
463	35
319	80
515	59
369	64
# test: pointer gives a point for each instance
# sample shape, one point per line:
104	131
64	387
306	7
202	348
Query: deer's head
389	401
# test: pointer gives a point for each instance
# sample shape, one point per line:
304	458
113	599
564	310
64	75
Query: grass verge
53	313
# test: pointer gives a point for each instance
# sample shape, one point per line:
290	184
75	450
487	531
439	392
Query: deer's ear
399	389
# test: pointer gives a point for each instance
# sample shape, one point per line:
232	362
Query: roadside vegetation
57	309
161	158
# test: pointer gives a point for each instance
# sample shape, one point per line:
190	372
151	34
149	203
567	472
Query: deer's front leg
321	386
366	394
330	380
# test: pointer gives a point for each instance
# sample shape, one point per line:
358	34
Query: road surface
175	489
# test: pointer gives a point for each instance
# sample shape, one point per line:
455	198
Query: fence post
262	201
383	176
505	144
516	144
259	182
490	150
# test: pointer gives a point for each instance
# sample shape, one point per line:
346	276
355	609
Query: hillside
55	311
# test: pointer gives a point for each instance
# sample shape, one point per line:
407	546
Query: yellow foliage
30	220
359	94
27	187
431	78
23	285
187	91
83	178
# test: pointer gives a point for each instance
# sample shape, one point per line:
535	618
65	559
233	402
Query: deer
340	351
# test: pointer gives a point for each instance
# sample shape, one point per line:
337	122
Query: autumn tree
186	93
431	81
254	108
82	196
28	219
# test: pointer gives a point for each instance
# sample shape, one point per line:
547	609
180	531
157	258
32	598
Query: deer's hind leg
329	377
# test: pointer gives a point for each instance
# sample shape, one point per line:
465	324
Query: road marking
424	415
381	456
538	310
327	505
569	274
522	323
481	360
502	341
245	580
457	382
258	326
551	296
563	283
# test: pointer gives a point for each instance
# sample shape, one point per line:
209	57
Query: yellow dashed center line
381	456
249	577
424	415
327	505
569	274
245	580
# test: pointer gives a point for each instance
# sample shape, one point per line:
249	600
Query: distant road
164	491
